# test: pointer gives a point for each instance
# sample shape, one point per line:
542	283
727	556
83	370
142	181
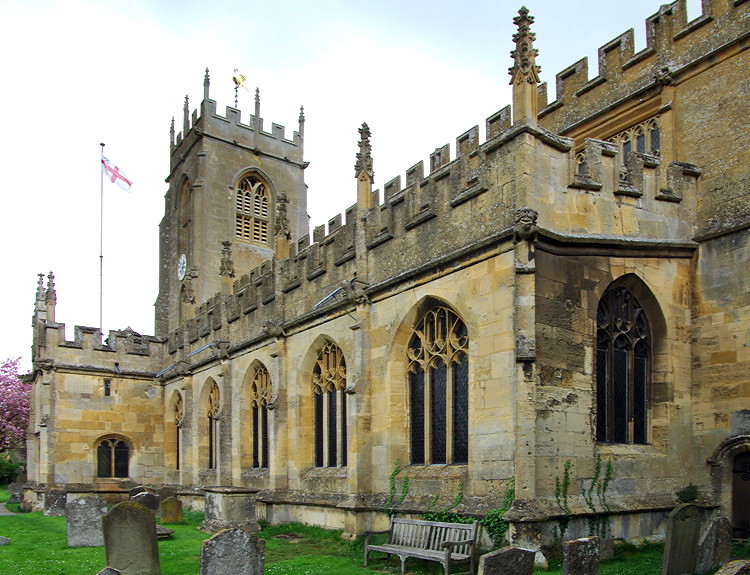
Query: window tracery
214	407
438	373
329	384
260	398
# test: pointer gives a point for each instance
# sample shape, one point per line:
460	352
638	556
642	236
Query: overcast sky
77	73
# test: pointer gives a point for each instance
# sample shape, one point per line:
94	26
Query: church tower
236	198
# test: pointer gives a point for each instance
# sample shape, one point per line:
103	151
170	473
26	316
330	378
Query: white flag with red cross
115	175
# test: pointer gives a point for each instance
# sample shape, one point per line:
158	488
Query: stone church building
568	293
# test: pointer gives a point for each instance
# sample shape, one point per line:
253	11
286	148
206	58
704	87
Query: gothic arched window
252	210
260	398
623	368
185	221
439	389
213	425
112	457
178	420
329	382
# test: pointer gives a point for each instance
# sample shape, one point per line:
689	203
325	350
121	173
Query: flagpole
101	238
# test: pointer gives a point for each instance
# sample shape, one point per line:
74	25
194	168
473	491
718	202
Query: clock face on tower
181	267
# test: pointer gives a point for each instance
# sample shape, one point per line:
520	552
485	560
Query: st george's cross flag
114	175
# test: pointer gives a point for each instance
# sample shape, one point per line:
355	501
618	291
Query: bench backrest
431	534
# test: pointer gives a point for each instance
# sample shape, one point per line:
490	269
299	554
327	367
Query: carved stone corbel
274	328
274	402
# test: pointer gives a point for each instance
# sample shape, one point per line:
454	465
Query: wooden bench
445	543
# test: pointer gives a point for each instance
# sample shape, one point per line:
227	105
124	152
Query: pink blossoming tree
14	406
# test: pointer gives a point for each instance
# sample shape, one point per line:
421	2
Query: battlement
442	219
229	127
674	46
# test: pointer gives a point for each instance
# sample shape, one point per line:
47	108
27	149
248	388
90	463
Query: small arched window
213	425
252	219
329	383
439	389
261	397
623	368
112	458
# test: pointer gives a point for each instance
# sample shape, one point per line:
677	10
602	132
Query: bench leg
403	564
367	553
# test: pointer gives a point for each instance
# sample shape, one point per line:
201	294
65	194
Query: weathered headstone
581	556
108	571
148	500
165	492
230	507
4	541
714	546
739	567
54	503
84	517
15	490
233	552
507	561
130	539
170	510
681	541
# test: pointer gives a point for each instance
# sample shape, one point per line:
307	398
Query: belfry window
213	426
329	382
252	210
112	458
261	394
438	375
623	368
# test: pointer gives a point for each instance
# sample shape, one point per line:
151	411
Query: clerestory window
252	210
623	368
329	397
438	373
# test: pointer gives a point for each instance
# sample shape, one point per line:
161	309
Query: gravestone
54	503
581	556
130	539
148	500
15	490
170	510
232	552
681	541
740	567
230	507
507	561
714	546
139	489
4	541
108	571
84	518
165	492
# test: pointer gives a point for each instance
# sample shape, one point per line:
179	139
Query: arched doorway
741	496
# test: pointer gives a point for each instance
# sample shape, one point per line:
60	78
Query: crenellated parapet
674	47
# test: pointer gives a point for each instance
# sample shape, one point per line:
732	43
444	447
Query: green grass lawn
39	545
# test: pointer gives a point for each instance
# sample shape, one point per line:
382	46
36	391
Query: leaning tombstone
54	503
233	552
228	508
507	561
148	500
84	518
170	510
681	540
714	546
739	567
130	539
581	556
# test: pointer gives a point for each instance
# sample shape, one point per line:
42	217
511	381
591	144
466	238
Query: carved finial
40	288
226	268
171	132
51	295
257	103
185	117
301	114
206	84
282	222
364	156
524	69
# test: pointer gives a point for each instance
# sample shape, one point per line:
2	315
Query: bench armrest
470	542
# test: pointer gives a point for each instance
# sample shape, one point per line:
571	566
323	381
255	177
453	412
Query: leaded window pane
461	411
416	394
437	412
319	430
104	460
256	462
332	428
121	459
620	394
